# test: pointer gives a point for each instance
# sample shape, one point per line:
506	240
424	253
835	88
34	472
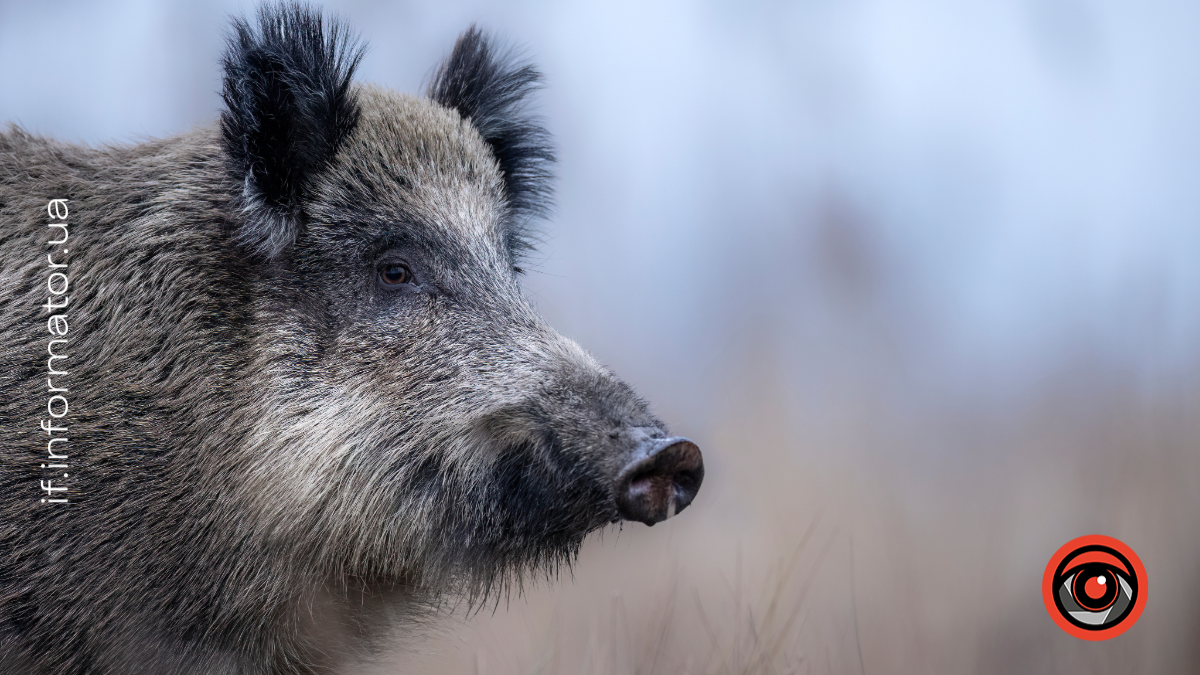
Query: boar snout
660	481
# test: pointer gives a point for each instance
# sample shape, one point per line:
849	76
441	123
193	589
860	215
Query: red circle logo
1094	587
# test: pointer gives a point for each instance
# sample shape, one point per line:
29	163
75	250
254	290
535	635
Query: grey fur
279	463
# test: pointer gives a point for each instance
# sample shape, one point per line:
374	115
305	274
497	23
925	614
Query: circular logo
1094	587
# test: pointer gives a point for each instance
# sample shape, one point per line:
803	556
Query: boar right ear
288	106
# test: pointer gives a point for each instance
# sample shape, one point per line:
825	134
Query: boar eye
395	275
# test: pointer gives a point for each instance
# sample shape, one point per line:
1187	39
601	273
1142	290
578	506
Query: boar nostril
661	481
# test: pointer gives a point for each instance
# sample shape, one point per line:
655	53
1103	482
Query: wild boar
271	388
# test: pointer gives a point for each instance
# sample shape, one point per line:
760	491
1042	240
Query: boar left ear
491	88
288	106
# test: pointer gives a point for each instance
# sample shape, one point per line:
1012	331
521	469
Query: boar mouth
537	502
545	489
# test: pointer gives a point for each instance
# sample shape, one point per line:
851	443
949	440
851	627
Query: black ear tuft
491	90
288	107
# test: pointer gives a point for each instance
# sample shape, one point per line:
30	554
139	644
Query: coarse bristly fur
279	459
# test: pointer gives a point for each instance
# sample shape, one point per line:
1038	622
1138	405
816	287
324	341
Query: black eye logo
1094	587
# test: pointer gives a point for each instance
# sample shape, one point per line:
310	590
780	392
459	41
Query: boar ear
288	106
491	90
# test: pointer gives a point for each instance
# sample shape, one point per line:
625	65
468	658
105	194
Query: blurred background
921	278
